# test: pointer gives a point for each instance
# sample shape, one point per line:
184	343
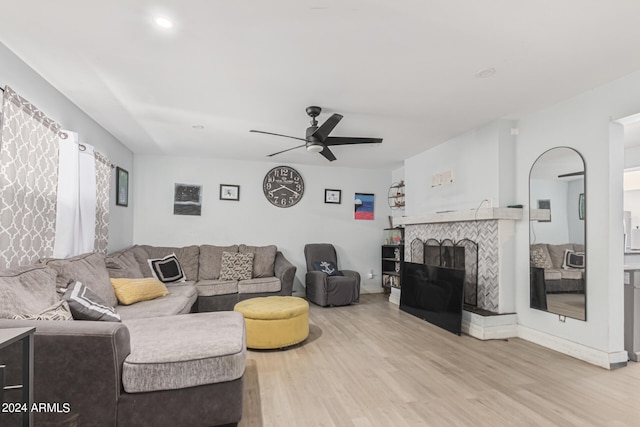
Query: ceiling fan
317	138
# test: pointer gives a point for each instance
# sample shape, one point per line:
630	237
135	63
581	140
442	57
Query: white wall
29	84
584	123
477	160
253	220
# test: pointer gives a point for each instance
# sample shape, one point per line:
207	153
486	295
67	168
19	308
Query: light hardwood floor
373	365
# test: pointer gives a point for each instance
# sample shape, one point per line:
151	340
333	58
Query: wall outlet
489	202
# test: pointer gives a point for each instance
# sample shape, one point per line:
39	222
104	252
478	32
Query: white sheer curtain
76	207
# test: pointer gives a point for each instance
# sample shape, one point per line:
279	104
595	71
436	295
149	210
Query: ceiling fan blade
277	134
322	133
328	154
284	151
339	140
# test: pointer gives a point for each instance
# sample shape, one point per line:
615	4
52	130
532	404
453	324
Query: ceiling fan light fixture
315	147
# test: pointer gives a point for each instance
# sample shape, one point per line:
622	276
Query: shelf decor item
396	195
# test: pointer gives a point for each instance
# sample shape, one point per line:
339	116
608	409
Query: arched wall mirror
557	224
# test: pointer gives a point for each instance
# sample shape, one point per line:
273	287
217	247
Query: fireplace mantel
483	214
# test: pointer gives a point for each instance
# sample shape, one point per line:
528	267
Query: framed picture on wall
545	204
229	192
333	196
187	199
122	187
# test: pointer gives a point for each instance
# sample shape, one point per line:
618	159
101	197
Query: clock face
283	186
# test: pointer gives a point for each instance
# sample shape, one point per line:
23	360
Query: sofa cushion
207	288
264	259
179	301
86	305
260	284
58	311
553	274
27	290
131	291
167	269
123	264
90	269
236	266
163	357
556	253
187	256
211	261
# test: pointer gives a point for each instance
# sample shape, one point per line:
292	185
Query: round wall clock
283	186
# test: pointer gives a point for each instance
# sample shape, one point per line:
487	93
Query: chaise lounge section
161	365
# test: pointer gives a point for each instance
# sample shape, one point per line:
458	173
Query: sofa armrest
75	362
286	272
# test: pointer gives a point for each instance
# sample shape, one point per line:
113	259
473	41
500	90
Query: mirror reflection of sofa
561	275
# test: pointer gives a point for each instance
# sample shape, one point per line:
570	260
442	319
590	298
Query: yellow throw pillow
129	291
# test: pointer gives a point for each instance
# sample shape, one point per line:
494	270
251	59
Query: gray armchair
324	289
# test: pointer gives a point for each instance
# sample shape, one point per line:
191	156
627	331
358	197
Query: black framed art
122	187
229	192
332	196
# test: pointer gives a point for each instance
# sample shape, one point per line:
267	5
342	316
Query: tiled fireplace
493	230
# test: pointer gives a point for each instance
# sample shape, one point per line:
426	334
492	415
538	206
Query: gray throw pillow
85	305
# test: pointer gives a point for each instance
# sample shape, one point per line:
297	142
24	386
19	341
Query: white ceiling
403	70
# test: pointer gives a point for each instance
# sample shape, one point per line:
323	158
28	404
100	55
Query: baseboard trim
606	360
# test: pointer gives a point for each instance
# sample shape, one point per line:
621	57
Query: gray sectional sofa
163	364
549	258
272	273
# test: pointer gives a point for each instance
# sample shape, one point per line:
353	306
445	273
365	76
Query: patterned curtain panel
103	181
28	180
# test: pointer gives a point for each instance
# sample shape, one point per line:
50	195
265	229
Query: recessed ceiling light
163	22
197	127
485	72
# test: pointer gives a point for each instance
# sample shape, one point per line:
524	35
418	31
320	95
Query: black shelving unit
392	258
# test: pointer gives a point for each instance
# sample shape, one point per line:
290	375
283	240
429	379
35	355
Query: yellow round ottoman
274	322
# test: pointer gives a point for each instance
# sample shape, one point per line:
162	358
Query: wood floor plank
370	365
